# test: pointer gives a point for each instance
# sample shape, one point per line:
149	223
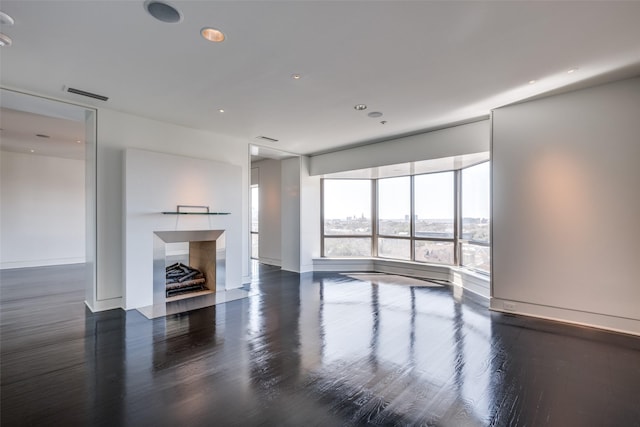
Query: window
394	217
434	205
347	224
394	206
434	218
474	239
255	218
440	217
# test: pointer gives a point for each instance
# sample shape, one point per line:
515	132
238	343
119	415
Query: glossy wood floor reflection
311	350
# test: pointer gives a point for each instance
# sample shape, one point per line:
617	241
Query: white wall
270	189
155	183
454	141
42	210
118	131
309	216
566	207
290	212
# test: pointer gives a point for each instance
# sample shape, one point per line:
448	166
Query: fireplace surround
207	253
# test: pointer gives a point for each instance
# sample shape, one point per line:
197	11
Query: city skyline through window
414	217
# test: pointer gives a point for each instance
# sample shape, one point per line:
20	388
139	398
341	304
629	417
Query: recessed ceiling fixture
78	142
5	40
87	94
163	11
5	19
531	82
360	107
32	151
41	135
221	110
212	34
374	114
296	76
572	70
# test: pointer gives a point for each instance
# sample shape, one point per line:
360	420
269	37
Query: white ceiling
20	130
424	64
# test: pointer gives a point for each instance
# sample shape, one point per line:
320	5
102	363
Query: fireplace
205	260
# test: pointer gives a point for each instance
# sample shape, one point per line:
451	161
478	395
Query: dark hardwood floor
310	350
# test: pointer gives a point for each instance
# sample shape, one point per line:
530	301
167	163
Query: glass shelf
196	213
180	211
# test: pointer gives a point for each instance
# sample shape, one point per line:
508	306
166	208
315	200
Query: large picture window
440	217
347	222
255	220
474	239
434	217
394	217
434	196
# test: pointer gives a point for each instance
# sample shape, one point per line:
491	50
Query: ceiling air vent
266	138
87	94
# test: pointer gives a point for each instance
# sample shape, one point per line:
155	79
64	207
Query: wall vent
87	94
266	138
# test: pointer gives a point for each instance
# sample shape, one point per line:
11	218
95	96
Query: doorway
48	194
266	197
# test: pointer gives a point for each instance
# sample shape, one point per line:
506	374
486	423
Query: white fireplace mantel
156	182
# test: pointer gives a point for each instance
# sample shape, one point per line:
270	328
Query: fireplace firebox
204	272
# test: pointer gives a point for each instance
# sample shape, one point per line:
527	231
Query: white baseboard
477	283
103	305
41	262
564	315
270	261
343	264
468	280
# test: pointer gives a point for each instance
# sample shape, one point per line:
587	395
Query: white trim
270	261
41	263
477	283
103	305
461	277
563	315
343	264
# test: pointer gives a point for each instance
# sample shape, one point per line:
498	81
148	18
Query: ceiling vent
266	138
87	94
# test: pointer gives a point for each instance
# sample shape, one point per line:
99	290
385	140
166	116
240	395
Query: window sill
458	276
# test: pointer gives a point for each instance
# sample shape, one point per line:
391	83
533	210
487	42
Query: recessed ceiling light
32	151
78	142
532	82
572	70
163	11
360	107
296	76
212	34
5	40
5	19
375	114
221	110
